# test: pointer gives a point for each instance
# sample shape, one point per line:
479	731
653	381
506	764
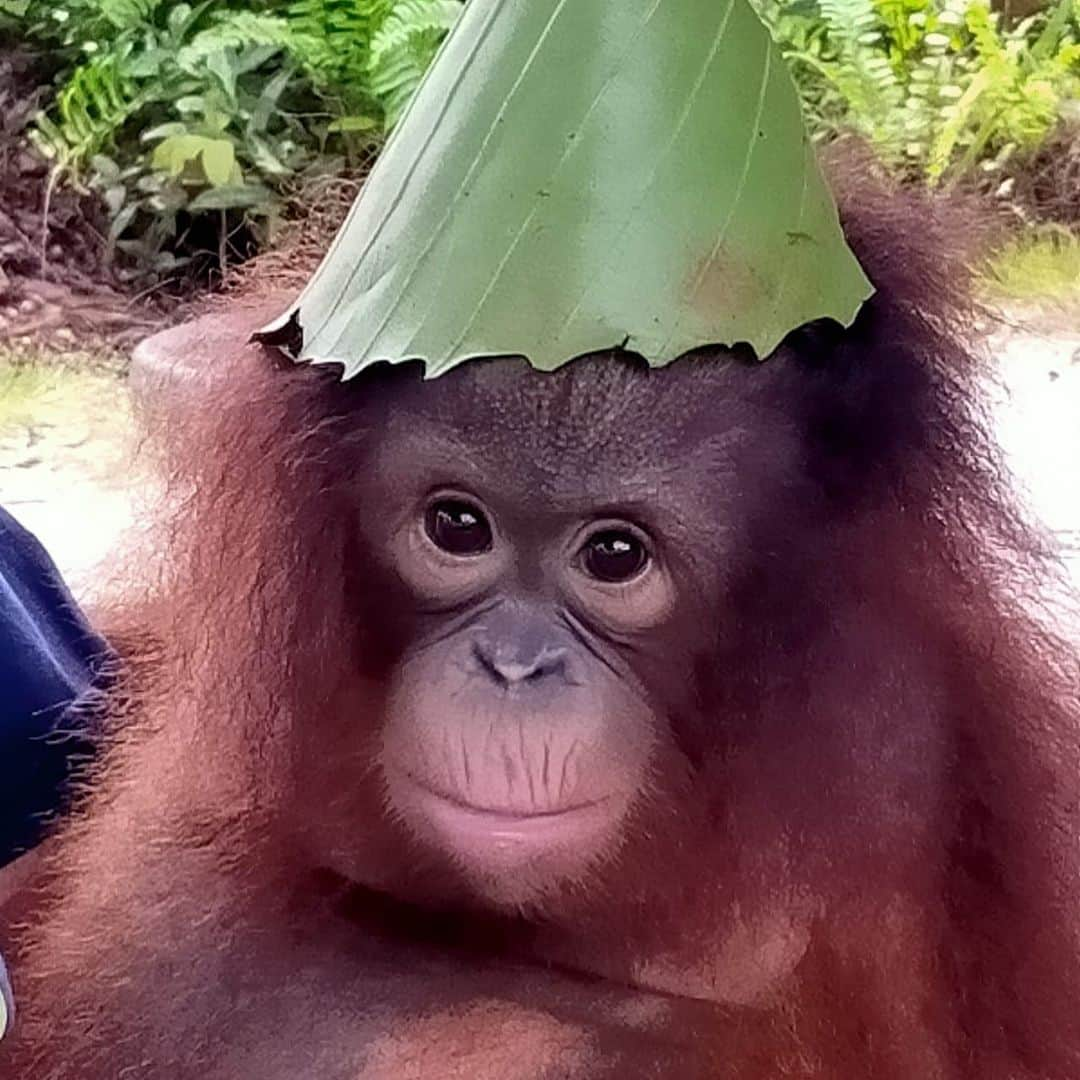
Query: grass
33	382
22	385
1043	264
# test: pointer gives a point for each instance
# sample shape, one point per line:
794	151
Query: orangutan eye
614	556
458	528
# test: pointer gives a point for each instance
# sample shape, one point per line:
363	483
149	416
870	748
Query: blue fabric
52	667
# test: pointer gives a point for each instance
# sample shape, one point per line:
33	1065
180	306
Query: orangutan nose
510	665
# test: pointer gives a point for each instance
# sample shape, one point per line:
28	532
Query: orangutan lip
499	814
509	826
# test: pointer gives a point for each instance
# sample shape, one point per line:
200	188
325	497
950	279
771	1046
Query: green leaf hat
579	175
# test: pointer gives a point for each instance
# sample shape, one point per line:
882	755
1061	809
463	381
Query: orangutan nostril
506	668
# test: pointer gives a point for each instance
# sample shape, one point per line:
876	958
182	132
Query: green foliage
938	86
403	48
192	119
338	35
96	101
375	50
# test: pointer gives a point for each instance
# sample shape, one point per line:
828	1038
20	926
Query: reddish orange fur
943	878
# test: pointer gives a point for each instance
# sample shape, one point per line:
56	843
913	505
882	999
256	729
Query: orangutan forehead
604	413
577	440
524	467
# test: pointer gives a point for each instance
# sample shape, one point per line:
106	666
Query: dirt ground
70	472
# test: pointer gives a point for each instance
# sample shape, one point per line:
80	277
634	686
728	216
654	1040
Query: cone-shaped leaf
577	175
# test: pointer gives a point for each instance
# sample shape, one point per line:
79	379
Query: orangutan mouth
470	826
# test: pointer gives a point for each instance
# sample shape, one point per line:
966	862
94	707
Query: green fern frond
943	146
902	34
982	24
338	35
128	14
92	107
239	30
357	19
403	48
850	20
861	73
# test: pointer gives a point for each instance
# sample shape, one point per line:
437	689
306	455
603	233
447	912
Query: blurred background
151	150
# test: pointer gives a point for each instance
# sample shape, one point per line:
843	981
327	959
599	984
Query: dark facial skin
547	569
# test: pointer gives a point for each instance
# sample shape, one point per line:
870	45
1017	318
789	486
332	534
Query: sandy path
1039	427
68	473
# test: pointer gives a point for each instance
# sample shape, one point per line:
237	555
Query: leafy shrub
404	46
192	120
938	86
195	120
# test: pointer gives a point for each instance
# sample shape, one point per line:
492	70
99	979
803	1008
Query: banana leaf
580	175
